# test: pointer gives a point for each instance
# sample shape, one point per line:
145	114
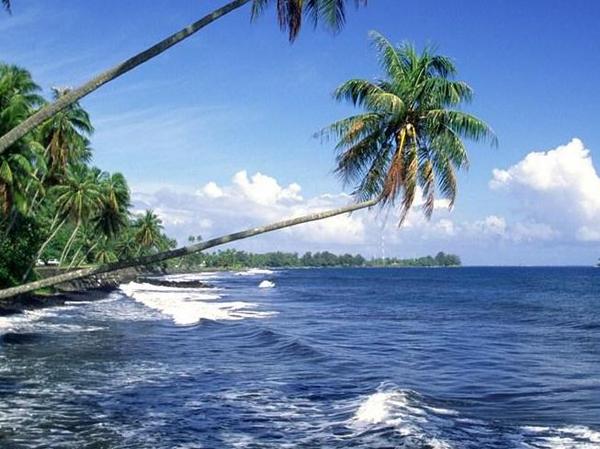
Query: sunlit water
367	358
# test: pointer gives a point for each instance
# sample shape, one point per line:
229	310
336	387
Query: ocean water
332	358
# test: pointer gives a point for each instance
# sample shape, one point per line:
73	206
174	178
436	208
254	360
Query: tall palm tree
289	14
65	137
411	132
112	215
78	199
410	135
18	98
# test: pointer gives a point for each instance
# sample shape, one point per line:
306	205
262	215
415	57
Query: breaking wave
188	306
411	421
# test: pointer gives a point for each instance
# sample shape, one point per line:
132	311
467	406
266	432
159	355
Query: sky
217	134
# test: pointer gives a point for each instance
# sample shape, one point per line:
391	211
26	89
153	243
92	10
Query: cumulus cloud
556	194
256	199
251	200
497	227
558	191
211	190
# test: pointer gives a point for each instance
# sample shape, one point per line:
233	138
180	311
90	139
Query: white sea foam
207	275
374	409
421	425
266	284
187	306
42	320
254	272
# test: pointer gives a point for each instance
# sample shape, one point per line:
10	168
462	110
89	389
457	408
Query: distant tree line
232	258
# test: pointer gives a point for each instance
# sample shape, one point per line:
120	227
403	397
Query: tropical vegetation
54	205
410	135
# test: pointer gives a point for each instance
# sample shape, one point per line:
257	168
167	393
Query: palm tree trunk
69	243
183	251
85	256
74	259
74	95
43	247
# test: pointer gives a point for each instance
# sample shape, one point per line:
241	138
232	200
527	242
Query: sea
440	358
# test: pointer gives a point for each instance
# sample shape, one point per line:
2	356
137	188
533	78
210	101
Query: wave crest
416	423
188	306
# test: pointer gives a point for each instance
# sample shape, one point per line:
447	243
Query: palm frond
290	13
409	136
389	59
464	124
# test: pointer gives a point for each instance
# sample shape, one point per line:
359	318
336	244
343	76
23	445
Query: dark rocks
19	304
176	284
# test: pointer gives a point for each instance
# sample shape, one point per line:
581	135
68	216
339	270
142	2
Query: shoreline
90	288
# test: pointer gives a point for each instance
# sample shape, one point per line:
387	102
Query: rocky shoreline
90	288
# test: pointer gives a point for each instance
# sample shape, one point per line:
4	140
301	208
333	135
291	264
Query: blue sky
238	97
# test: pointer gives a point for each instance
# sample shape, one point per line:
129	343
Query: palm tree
18	98
289	13
148	231
104	252
411	133
112	215
65	138
154	258
78	199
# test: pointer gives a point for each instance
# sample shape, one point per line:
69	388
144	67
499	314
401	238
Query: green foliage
65	138
440	260
411	133
18	99
234	259
290	13
53	204
17	248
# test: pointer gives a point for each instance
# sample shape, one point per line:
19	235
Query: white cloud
250	200
265	190
211	190
257	199
558	191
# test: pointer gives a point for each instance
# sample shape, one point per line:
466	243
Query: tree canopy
410	135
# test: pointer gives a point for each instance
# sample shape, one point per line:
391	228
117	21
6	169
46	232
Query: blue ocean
312	358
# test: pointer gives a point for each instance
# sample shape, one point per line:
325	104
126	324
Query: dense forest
232	258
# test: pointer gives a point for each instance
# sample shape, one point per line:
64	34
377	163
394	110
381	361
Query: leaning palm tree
289	14
410	134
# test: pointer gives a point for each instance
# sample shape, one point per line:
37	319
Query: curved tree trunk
43	247
179	252
67	247
74	95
